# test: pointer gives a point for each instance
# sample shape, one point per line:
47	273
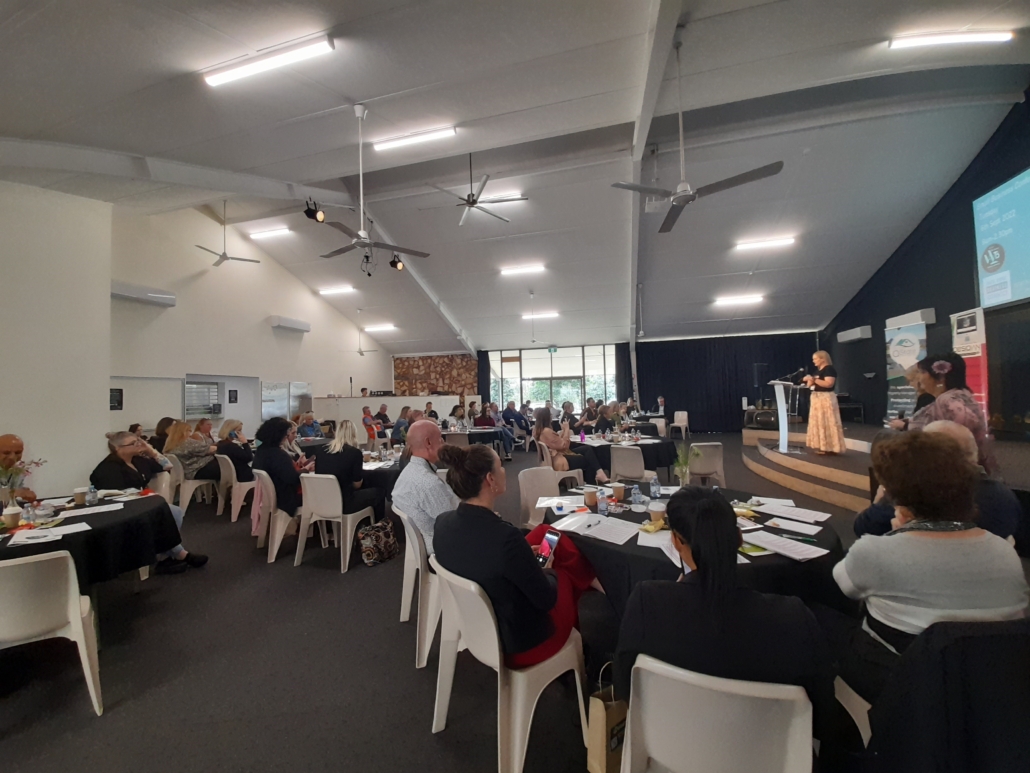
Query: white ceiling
547	96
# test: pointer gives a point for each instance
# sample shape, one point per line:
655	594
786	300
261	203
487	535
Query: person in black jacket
234	444
706	623
343	459
132	463
271	458
536	608
157	442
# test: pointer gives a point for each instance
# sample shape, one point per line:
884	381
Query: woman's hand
809	380
898	424
241	437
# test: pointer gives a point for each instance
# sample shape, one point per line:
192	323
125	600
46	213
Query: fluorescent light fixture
949	38
762	243
733	300
541	315
159	295
411	139
270	62
521	270
270	234
336	290
379	328
501	198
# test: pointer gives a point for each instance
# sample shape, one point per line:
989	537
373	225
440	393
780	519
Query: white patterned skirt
825	432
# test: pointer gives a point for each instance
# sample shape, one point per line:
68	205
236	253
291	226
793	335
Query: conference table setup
375	473
657	452
475	435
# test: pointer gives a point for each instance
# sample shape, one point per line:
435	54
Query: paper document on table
742	560
600	490
570	502
797	513
592	442
70	528
642	441
56	502
614	530
745	525
31	536
91	510
798	526
668	491
799	551
655	540
577	524
374	465
770	501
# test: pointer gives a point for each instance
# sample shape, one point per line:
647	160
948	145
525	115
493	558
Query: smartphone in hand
546	554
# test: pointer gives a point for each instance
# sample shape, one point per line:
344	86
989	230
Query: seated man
382	418
309	427
515	419
11	475
373	427
430	413
419	493
999	510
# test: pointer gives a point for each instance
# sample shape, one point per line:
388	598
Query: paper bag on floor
606	731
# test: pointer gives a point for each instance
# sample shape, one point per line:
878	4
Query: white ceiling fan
532	322
475	201
684	194
360	238
360	351
223	256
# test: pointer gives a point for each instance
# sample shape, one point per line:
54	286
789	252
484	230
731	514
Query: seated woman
234	444
456	418
400	427
343	459
137	430
202	431
558	442
307	427
605	423
935	565
273	459
296	453
708	623
568	415
161	433
484	419
131	463
471	412
536	608
195	455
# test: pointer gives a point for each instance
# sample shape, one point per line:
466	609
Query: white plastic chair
681	420
416	562
227	480
468	614
680	721
273	523
534	483
161	484
660	423
708	467
457	439
41	600
628	464
323	501
187	488
543	455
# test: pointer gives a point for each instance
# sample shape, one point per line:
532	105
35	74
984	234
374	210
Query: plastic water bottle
582	436
656	489
602	504
635	496
91	495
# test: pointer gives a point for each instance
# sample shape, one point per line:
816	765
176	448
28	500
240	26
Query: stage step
822	471
795	480
752	436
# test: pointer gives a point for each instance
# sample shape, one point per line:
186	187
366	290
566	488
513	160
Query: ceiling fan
360	238
684	194
223	256
475	201
532	322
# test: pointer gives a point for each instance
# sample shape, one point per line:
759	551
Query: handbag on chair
378	543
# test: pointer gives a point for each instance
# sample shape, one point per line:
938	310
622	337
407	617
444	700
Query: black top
825	372
383	418
279	466
113	473
761	638
604	425
433	415
924	400
570	418
345	465
476	544
240	456
158	442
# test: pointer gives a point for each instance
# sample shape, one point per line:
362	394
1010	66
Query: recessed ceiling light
541	315
336	290
762	243
733	300
949	38
521	270
411	139
379	328
270	62
271	233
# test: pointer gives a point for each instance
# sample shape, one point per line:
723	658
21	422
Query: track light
397	263
314	212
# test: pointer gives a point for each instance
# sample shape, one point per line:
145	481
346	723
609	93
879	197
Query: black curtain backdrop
707	377
623	373
935	267
483	376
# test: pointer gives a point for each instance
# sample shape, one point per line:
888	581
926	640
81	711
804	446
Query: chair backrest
627	462
477	621
543	456
162	484
414	540
535	482
322	495
681	417
660	423
690	721
269	504
40	596
227	473
442	475
709	461
178	476
458	439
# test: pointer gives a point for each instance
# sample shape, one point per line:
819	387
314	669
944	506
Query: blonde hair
229	425
346	435
824	355
178	434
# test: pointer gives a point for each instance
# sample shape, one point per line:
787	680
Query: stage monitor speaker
766	420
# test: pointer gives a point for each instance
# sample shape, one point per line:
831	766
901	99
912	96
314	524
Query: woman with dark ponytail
706	622
536	607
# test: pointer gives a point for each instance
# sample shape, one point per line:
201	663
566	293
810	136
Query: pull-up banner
906	346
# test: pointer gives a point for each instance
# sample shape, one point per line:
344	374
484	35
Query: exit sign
553	349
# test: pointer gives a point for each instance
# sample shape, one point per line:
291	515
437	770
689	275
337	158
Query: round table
383	478
620	567
118	541
644	428
660	454
477	435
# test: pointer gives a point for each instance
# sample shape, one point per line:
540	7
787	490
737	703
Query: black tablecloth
383	479
661	454
477	435
620	567
118	540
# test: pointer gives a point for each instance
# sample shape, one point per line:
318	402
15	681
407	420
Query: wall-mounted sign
234	396
117	399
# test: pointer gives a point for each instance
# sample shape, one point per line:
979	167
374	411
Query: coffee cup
618	491
366	456
12	516
656	509
79	495
590	496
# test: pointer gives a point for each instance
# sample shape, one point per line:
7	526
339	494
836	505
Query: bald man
999	510
419	493
11	449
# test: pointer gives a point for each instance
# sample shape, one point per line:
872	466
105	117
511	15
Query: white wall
220	322
146	401
248	392
55	318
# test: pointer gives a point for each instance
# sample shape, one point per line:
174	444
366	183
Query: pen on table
800	539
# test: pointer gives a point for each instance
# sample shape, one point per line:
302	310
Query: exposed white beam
664	15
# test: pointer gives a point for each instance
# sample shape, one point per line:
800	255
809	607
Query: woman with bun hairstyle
536	607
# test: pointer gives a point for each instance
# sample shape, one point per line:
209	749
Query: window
571	373
495	379
202	400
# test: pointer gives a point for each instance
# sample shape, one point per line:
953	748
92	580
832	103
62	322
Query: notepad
745	525
789	525
577	524
799	551
797	513
32	536
614	530
92	510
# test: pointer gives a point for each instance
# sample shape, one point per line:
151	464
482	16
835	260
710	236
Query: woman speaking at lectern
825	432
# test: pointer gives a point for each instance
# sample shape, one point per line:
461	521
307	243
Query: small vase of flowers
681	469
13	477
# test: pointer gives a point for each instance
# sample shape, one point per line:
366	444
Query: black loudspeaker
766	420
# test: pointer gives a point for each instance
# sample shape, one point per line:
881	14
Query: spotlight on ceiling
949	39
279	58
314	212
397	263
